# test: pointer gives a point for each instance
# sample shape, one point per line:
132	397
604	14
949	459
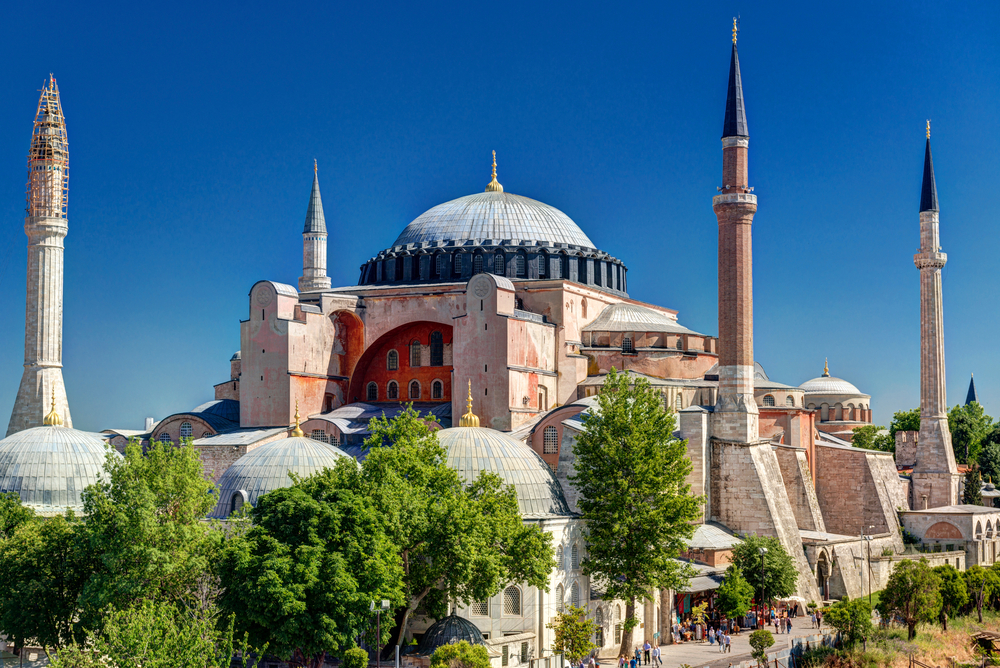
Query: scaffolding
48	158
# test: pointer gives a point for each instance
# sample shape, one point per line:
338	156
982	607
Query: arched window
392	360
372	392
437	390
610	282
679	402
627	346
414	353
789	400
574	595
414	389
582	270
521	264
543	264
560	597
235	502
768	400
499	264
437	349
392	390
415	268
512	601
989	530
559	557
480	608
598	273
557	266
164	437
583	307
550	441
319	435
477	263
186	430
436	265
599	617
335	440
457	268
575	557
979	531
206	434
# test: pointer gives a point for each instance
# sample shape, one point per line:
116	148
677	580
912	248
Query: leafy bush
760	640
460	655
355	657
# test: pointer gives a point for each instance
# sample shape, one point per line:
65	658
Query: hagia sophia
498	316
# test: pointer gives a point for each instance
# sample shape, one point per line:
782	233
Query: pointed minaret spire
735	124
928	189
314	241
972	396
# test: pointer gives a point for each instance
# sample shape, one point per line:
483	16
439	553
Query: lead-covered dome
451	629
496	216
471	450
829	385
266	468
50	466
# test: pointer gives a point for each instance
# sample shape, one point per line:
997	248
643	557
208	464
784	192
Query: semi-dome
471	450
451	629
266	468
497	216
50	466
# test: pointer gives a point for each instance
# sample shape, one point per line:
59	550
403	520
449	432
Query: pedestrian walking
645	650
632	662
621	661
656	656
729	647
788	625
711	636
722	641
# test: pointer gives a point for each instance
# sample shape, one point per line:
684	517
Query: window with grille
543	264
559	557
186	430
560	597
505	656
627	346
550	441
206	434
441	262
521	265
437	390
618	633
457	269
575	557
574	595
768	400
235	502
437	349
582	271
480	608
524	652
512	601
557	267
789	400
164	437
599	617
392	390
335	440
414	389
477	263
320	435
415	353
372	392
392	361
499	265
679	401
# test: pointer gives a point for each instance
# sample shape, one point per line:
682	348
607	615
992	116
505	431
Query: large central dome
496	216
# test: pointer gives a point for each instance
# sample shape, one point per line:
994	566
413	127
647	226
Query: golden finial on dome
297	432
928	128
735	30
315	166
53	419
494	186
469	419
826	367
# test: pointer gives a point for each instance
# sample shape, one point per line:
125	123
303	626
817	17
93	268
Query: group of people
647	651
723	637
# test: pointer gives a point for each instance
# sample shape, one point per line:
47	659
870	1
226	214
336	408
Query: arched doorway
823	576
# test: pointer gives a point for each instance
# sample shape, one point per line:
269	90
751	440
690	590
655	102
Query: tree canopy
969	425
904	421
853	618
735	594
574	633
972	494
634	499
913	593
870	438
779	576
460	655
954	592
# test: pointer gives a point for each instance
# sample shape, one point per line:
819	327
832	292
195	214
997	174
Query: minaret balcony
930	260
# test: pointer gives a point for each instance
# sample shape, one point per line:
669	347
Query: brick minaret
314	242
46	227
935	476
736	410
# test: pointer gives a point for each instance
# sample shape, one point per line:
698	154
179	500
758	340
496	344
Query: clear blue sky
193	127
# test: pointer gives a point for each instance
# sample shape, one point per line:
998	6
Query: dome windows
186	430
521	264
769	400
477	263
789	400
499	264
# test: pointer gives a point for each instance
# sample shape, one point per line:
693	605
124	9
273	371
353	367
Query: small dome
471	450
49	467
496	216
829	385
266	468
451	629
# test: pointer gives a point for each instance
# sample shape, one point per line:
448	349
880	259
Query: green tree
904	421
760	640
870	438
969	425
735	594
13	514
973	492
355	657
574	633
853	618
980	584
637	508
301	579
455	541
989	457
954	592
779	576
913	592
460	655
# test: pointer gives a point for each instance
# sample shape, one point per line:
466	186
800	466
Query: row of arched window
574	596
186	431
416	353
414	390
321	436
574	557
512	604
769	400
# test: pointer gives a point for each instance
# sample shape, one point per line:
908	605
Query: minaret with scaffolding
42	389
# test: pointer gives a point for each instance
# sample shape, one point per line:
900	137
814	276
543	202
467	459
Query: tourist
645	650
788	625
729	647
656	656
621	661
722	641
632	663
638	656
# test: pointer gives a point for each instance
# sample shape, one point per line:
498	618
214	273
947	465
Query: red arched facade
374	366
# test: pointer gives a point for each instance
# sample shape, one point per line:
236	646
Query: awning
703	583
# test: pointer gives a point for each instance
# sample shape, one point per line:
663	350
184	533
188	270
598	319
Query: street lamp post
763	551
384	605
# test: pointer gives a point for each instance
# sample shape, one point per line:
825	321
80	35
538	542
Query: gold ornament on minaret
53	419
928	128
735	30
826	367
494	185
297	431
469	419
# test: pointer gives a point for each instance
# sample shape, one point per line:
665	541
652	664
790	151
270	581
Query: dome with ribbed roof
266	468
471	450
451	629
50	466
829	385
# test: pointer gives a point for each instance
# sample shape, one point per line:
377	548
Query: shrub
460	655
355	657
760	640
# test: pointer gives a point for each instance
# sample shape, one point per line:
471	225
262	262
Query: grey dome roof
496	216
266	468
829	385
474	449
451	629
49	467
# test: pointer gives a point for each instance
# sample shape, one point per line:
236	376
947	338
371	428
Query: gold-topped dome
297	431
494	185
470	419
53	419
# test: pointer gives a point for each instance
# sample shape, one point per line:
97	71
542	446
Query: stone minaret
935	476
314	242
735	410
42	389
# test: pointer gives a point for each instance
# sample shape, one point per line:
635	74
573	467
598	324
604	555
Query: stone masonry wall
851	479
799	487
